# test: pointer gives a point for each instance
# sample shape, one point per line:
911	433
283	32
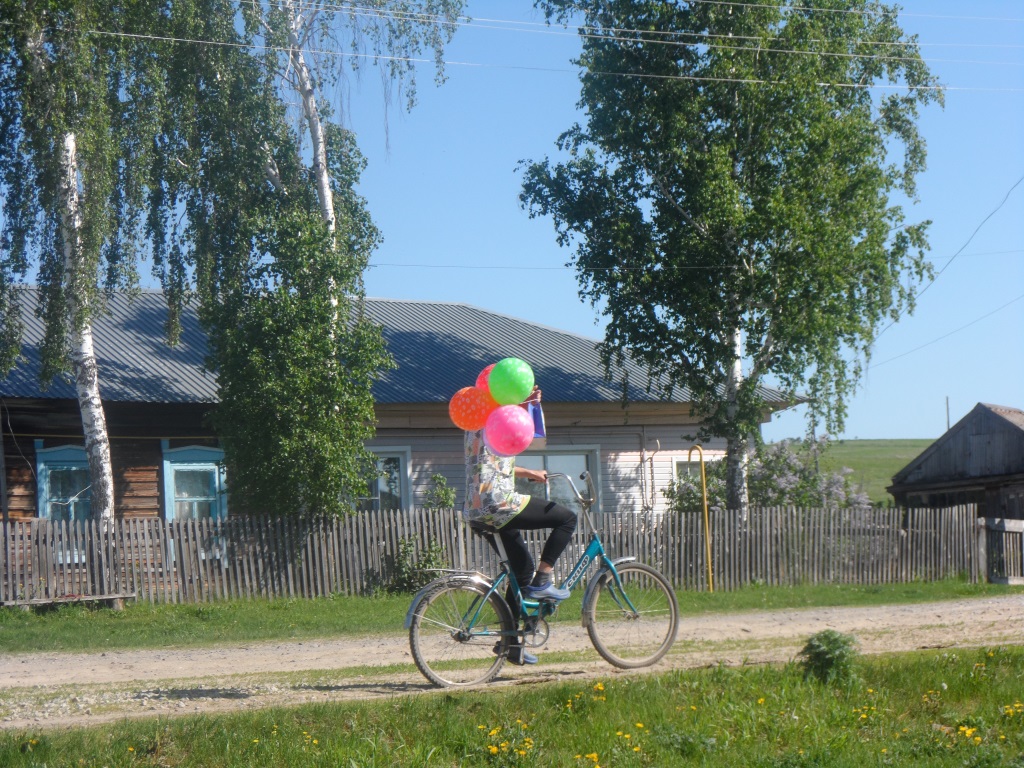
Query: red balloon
481	379
470	407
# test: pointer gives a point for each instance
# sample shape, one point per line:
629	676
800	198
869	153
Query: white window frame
193	457
49	459
404	455
593	454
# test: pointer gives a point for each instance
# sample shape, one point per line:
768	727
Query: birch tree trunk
737	454
311	113
83	357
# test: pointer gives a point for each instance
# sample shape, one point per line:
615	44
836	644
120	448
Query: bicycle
461	627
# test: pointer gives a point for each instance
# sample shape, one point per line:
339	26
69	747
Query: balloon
510	381
481	379
470	407
509	430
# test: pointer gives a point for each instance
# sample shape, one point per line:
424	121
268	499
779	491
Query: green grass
79	628
873	462
924	709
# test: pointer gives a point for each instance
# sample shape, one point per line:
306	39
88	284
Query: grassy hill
873	462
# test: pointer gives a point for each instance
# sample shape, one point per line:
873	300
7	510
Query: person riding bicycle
492	499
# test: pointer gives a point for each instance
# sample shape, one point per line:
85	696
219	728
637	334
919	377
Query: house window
690	470
570	462
63	489
195	486
388	486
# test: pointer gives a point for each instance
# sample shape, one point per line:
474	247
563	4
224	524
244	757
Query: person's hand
534	396
532	475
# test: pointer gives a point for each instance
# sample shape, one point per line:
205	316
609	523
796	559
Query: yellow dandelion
131	749
639	725
494	732
315	741
599	687
592	756
255	741
482	727
492	749
760	701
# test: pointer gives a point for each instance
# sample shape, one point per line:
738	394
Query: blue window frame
62	483
194	482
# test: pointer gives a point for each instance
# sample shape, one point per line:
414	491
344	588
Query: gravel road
45	690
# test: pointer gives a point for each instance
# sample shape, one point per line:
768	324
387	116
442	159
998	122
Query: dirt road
54	689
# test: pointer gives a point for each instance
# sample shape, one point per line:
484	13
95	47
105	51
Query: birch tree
76	121
732	196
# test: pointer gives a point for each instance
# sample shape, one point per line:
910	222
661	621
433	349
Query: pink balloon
509	430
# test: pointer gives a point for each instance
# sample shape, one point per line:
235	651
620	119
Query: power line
960	250
642	75
588	32
947	335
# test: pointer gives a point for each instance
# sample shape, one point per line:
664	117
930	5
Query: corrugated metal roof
135	362
439	347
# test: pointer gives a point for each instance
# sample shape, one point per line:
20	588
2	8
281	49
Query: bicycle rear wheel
630	638
460	634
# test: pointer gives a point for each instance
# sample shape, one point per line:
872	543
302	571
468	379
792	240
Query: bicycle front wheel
637	631
460	634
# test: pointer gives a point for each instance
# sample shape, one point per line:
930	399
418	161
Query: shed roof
987	441
439	347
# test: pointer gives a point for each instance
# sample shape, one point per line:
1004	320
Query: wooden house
980	460
168	464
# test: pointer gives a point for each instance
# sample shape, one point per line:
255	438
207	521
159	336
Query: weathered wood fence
198	561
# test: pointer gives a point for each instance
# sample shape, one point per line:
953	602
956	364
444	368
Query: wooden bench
115	601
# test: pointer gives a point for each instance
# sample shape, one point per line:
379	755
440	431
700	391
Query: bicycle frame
534	609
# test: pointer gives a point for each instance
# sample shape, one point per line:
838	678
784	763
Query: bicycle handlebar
585	476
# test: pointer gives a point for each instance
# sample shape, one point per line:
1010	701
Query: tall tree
296	357
76	127
733	195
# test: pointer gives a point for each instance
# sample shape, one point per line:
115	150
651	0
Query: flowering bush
780	474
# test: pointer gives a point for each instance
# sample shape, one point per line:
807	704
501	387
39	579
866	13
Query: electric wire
610	33
603	73
947	335
959	251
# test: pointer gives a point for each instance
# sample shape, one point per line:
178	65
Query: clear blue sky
443	187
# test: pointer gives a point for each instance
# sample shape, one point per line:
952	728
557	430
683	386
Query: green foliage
786	473
830	657
410	570
725	193
441	495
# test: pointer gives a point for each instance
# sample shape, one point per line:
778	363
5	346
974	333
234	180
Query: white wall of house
634	462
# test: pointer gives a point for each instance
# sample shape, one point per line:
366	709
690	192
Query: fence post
982	550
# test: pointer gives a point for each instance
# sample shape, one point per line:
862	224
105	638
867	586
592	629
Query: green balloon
511	381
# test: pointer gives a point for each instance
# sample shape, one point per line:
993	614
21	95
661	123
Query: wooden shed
980	460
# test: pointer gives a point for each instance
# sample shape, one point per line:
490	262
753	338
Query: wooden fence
198	561
1004	550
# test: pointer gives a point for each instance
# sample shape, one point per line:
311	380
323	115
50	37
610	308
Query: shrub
408	572
441	495
829	657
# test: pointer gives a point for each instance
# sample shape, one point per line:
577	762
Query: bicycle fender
470	576
595	582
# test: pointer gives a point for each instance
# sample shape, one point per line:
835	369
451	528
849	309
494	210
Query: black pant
539	513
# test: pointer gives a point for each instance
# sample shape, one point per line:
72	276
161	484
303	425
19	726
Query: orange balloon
470	407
